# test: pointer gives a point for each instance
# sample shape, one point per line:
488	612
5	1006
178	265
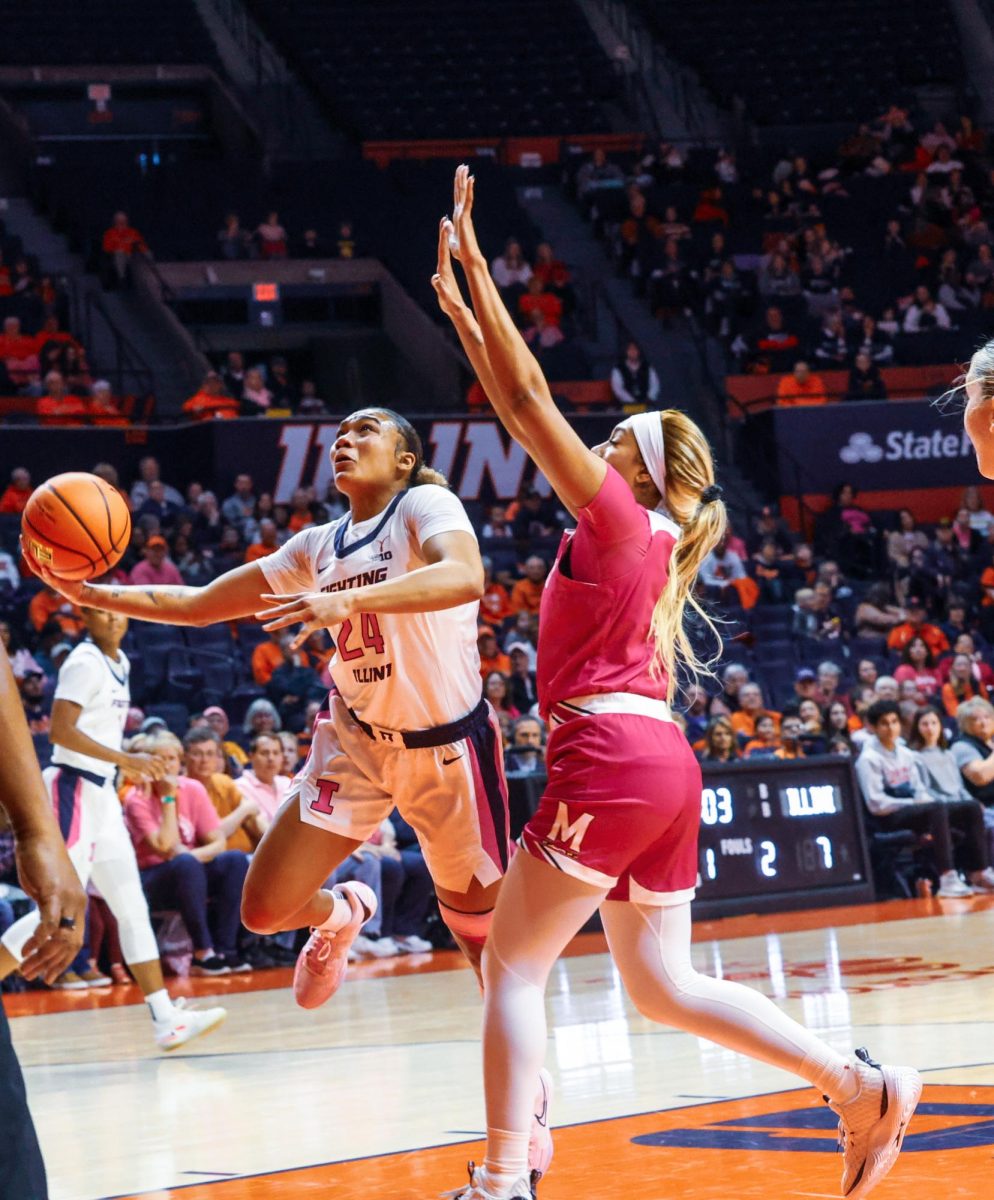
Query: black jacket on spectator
866	385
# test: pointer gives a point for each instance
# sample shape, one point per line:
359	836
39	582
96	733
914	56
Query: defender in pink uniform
617	827
603	817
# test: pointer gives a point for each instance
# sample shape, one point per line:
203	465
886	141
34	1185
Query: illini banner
476	455
882	445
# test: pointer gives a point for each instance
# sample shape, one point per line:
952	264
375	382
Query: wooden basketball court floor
378	1095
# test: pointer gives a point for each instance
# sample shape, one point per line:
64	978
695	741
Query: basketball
76	525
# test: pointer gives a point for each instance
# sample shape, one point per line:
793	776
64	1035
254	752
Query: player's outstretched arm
43	865
453	575
506	368
230	597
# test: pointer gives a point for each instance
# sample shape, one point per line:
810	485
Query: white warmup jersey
100	687
396	670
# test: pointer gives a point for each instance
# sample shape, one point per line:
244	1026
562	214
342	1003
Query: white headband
648	430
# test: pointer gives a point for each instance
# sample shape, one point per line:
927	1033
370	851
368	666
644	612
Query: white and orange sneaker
322	963
184	1024
540	1141
872	1125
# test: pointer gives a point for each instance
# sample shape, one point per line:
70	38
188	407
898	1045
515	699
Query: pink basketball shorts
622	807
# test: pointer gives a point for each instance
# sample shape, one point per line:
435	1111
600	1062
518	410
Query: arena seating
104	31
820	61
414	69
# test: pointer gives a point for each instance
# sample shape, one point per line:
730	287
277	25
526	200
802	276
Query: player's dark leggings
407	894
939	819
185	884
22	1172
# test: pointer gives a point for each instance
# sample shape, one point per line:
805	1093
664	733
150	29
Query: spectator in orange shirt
766	741
300	510
102	408
495	603
492	658
267	656
987	583
120	243
751	708
47	605
267	542
526	595
548	303
14	343
19	352
800	388
59	406
917	626
18	490
211	400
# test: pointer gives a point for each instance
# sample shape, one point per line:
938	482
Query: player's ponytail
695	505
410	441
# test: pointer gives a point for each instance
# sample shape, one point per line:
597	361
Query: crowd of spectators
878	610
270	240
876	643
844	263
263	388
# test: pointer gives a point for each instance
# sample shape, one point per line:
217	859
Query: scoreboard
778	834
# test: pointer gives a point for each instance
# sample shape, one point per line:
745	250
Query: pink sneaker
540	1141
322	963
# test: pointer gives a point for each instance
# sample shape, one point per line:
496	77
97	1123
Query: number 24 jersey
396	670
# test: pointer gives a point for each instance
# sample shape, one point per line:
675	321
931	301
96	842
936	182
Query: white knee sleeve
120	885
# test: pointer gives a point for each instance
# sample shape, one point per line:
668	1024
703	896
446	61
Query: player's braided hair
410	441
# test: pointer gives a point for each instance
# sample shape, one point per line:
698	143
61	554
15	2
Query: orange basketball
76	525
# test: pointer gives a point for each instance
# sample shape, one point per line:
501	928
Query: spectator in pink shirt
183	861
262	782
157	566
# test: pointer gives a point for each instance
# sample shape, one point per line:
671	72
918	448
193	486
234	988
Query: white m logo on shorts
563	831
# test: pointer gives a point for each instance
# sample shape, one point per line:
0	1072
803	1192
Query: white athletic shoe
185	1024
479	1188
412	944
983	881
951	887
69	981
873	1124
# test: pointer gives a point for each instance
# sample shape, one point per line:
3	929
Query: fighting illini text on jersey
397	670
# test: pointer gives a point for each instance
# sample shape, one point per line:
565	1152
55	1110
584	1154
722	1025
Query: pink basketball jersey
598	600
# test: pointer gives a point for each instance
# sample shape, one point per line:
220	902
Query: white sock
160	1005
340	915
507	1158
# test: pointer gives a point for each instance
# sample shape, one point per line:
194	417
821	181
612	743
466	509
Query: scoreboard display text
781	834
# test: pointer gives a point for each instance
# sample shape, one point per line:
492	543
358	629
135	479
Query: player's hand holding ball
75	527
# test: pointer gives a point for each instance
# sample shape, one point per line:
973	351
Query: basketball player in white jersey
397	582
92	698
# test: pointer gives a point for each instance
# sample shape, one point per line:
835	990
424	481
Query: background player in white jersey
397	582
92	698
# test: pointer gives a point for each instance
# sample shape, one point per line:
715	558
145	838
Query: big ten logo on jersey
953	1126
477	457
381	553
566	834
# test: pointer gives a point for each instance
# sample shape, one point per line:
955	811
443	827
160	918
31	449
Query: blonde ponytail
689	471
